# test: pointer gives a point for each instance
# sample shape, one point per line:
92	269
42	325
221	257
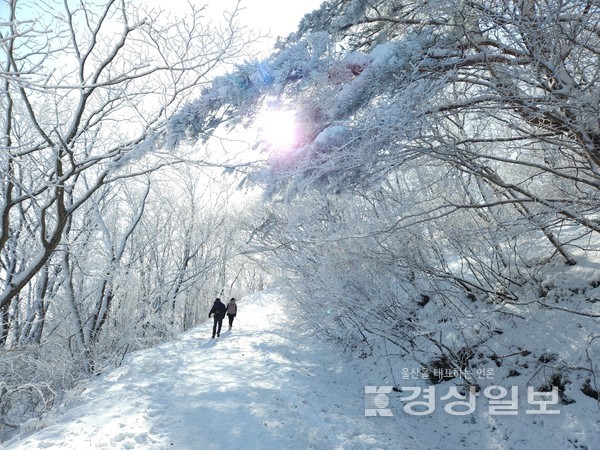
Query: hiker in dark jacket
218	312
231	311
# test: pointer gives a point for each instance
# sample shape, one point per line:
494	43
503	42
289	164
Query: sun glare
278	129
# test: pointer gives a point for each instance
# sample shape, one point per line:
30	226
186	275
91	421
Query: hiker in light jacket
218	312
231	311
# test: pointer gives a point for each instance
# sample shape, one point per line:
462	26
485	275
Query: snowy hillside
268	384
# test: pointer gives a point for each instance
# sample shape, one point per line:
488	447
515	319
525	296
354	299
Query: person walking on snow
231	312
218	312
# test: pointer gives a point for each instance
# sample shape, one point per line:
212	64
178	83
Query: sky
280	17
275	16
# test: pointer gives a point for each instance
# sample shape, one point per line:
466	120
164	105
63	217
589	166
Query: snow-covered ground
269	384
263	385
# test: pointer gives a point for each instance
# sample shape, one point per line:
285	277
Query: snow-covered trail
261	386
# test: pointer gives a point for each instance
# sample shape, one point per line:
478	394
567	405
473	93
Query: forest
439	183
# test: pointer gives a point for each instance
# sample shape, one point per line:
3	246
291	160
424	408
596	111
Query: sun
278	129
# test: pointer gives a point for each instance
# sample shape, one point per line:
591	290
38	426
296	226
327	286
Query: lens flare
278	129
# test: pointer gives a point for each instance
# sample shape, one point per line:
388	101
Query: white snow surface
263	385
271	384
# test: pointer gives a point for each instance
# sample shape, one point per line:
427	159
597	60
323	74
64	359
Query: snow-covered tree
445	151
87	87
